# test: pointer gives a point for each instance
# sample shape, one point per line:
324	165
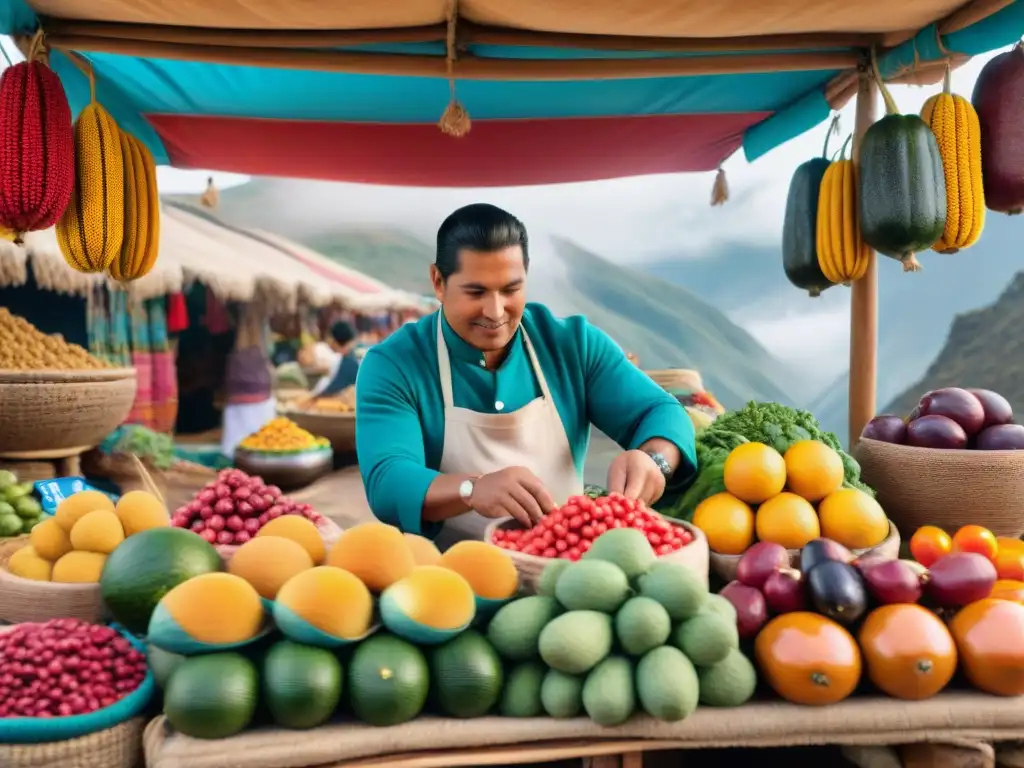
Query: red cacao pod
37	150
999	101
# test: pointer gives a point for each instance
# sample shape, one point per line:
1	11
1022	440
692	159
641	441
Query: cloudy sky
628	221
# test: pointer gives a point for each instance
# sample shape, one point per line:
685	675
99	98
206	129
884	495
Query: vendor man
483	409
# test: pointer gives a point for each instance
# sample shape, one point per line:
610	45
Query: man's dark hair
342	332
479	227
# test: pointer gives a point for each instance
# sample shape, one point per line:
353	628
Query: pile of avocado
616	633
19	509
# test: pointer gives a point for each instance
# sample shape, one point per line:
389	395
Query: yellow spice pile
23	347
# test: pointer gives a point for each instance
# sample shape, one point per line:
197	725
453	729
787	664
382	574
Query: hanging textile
98	324
177	313
142	361
165	369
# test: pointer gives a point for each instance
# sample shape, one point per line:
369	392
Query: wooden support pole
864	294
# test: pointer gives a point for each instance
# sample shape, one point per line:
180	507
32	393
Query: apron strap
536	367
444	366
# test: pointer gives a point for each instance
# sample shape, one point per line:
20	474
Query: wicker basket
675	379
177	485
339	428
928	486
725	565
694	555
58	410
117	747
27	600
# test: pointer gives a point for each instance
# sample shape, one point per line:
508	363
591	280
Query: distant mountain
664	324
985	349
915	310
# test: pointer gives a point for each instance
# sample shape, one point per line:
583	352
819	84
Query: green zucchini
902	196
799	228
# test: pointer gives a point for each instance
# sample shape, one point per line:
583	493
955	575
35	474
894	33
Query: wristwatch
466	490
662	462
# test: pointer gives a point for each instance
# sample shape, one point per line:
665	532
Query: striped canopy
554	90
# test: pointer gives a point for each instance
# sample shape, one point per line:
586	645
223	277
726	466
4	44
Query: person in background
483	409
342	373
249	384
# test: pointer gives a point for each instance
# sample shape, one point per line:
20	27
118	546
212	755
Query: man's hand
512	492
635	475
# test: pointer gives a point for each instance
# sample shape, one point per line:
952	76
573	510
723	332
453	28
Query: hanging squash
37	158
958	134
141	242
999	99
842	254
800	225
902	191
91	231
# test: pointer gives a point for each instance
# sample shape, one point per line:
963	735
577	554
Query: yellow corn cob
958	133
141	213
842	254
92	228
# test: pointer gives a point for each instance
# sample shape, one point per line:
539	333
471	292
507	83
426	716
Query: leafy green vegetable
155	447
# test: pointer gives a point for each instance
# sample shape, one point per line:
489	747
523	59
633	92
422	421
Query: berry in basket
233	508
65	667
571	530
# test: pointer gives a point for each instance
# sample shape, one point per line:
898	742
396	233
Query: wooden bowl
930	486
694	555
725	565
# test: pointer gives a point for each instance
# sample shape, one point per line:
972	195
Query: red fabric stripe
495	153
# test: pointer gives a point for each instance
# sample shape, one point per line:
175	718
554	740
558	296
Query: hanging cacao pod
141	213
999	100
37	156
91	231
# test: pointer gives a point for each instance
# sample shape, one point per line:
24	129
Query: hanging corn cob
955	124
37	158
842	253
91	231
141	212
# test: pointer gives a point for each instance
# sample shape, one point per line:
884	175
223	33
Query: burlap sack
953	717
925	486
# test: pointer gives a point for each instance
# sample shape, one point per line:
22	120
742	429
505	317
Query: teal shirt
400	408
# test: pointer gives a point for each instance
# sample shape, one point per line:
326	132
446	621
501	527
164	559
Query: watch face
466	489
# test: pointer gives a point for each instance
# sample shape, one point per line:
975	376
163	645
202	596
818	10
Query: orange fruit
853	519
929	543
1008	589
754	472
813	470
787	519
975	538
727	522
1010	559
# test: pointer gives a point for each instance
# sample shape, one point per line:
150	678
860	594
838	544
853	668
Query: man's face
484	300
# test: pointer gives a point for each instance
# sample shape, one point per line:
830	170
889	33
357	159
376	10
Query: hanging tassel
211	197
455	119
720	190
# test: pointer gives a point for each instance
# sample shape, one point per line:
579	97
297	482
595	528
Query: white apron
479	443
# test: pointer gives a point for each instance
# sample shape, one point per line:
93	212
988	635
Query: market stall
605	628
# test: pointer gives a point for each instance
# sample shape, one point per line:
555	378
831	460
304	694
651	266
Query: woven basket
117	747
177	485
672	379
56	410
928	486
725	565
24	600
694	555
339	428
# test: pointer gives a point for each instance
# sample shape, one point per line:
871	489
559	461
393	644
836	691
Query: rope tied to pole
455	119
